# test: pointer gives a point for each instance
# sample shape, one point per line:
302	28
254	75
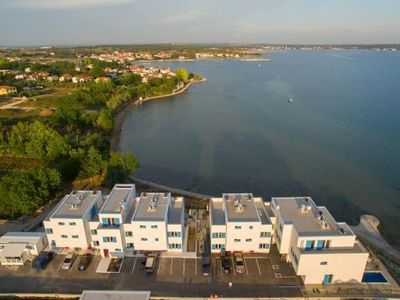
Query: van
206	265
41	262
150	264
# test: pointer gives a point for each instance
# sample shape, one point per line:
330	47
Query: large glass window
310	245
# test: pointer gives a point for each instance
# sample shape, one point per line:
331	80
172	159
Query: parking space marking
172	264
159	267
134	265
258	266
183	268
245	265
234	271
195	266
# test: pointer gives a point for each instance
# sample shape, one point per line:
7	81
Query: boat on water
290	99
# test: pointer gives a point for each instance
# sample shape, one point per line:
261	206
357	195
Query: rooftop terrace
117	198
308	218
75	204
240	208
152	207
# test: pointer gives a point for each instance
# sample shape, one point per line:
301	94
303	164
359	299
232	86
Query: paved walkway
14	105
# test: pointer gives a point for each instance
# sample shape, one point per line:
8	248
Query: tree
120	165
105	120
22	193
182	74
91	161
64	117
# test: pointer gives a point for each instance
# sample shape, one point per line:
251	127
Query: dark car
226	262
41	262
206	265
84	262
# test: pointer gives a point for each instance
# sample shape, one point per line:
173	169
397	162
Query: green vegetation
64	142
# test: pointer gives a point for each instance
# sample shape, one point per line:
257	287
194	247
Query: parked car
40	263
239	262
150	263
84	262
226	262
206	265
68	261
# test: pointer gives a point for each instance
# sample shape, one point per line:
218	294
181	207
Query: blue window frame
320	245
93	211
104	221
309	245
49	230
93	232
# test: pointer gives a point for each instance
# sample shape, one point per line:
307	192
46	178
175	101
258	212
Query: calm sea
338	141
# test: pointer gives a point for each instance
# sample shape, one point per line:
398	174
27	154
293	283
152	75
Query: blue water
374	277
339	141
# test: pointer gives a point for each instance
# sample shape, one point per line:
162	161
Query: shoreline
121	114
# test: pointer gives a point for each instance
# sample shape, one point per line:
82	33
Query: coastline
121	115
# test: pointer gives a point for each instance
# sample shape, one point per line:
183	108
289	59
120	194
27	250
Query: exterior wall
114	248
345	267
176	240
67	230
217	241
148	239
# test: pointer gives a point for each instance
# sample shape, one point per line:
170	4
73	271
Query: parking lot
172	277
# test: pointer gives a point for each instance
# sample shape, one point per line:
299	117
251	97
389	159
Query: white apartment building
67	226
240	222
320	249
125	223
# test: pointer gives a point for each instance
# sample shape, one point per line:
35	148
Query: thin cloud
61	4
182	17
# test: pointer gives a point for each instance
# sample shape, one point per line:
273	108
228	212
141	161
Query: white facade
67	226
320	249
240	222
17	247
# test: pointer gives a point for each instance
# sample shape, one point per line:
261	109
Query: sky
85	22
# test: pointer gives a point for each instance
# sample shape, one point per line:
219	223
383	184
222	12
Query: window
156	239
238	227
143	239
320	245
93	212
49	230
72	223
309	245
96	243
154	226
218	235
117	250
263	246
61	223
323	263
106	222
236	240
174	234
248	240
75	236
265	234
64	236
251	227
174	246
129	245
109	239
128	233
217	246
93	232
142	226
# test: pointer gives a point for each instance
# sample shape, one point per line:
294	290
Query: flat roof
217	211
308	218
177	211
75	204
13	249
119	194
21	236
115	295
263	213
240	208
152	207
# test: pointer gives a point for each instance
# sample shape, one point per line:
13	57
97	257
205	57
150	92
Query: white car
68	261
